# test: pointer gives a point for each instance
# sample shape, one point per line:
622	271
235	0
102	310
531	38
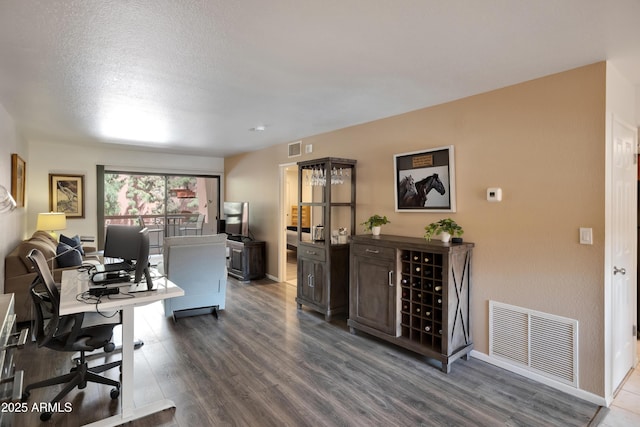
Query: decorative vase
445	237
375	230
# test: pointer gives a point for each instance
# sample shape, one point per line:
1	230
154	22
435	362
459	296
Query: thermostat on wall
494	194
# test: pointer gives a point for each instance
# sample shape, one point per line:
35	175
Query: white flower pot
375	230
445	237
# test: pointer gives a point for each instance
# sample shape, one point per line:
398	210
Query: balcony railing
171	223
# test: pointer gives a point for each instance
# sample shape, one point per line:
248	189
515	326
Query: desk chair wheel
115	393
45	416
25	396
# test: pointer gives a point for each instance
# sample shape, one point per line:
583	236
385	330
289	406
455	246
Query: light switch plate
586	236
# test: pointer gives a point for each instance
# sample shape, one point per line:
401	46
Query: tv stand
245	259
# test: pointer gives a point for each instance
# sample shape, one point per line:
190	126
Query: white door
624	229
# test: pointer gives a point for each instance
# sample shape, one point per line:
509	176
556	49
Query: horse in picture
414	194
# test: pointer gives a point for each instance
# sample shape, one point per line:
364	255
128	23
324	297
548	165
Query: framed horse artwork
425	181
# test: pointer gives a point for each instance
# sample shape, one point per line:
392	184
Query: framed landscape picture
425	181
18	178
66	194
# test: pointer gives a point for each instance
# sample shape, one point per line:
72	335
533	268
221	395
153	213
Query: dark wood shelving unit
412	293
323	265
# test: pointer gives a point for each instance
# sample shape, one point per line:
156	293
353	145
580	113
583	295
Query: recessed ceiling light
259	128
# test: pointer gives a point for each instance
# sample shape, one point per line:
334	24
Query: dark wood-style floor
265	363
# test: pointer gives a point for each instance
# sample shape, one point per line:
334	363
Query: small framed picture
425	181
18	179
66	194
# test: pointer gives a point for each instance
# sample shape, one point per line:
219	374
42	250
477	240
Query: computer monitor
121	241
142	264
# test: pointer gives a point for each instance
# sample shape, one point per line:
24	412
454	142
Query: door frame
282	235
609	307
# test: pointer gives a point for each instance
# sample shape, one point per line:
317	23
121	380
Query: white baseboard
579	393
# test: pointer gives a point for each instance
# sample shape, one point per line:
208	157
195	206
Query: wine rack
421	297
412	293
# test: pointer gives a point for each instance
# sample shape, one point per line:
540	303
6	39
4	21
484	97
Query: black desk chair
67	333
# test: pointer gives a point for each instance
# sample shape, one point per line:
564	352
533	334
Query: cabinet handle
18	380
311	252
22	339
238	251
310	281
391	278
372	251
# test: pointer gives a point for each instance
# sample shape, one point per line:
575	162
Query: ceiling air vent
295	149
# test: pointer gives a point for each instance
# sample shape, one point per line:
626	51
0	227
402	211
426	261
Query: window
163	200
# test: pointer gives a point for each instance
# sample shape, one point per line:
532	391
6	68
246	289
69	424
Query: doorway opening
289	201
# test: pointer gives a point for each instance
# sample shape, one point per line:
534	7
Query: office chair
67	333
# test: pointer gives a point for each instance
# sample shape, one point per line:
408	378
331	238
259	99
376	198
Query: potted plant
374	223
446	228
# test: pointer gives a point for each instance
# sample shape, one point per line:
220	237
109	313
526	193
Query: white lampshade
52	221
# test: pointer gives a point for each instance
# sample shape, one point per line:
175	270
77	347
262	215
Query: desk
74	283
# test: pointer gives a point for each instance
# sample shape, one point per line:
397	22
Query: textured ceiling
194	76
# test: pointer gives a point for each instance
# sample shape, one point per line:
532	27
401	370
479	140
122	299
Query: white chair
198	264
155	230
193	226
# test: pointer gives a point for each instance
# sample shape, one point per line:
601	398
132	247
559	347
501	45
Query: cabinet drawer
373	251
311	252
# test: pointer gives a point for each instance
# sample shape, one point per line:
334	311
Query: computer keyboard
116	266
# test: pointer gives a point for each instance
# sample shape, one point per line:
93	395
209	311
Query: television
236	215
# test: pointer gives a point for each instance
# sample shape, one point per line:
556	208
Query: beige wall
82	160
12	224
541	141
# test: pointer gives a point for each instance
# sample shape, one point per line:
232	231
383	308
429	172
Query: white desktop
77	283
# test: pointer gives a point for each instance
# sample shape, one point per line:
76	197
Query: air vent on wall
295	149
536	341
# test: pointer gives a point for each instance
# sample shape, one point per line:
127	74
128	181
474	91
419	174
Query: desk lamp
52	222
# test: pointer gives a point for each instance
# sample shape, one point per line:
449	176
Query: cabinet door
374	294
236	259
311	277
